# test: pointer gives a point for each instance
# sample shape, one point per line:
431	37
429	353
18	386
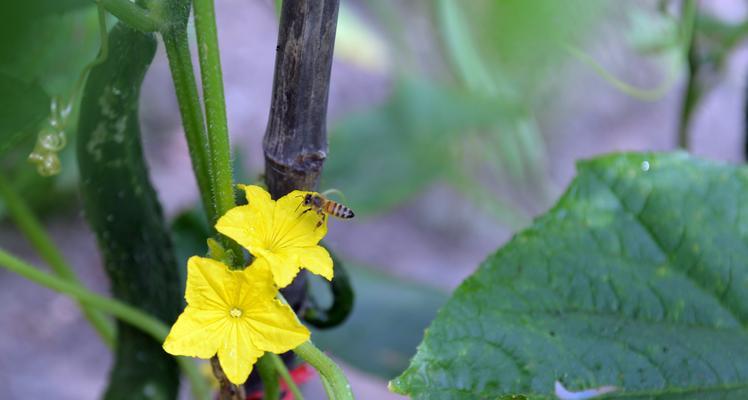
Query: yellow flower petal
297	225
234	314
258	198
209	285
317	260
277	329
258	288
284	266
197	333
285	233
237	354
287	263
246	226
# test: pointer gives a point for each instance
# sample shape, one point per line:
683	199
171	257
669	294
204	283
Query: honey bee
324	207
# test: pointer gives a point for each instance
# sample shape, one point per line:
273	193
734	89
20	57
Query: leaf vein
655	240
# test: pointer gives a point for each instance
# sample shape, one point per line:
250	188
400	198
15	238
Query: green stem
459	44
688	24
133	15
269	377
333	378
339	386
215	112
690	99
280	366
180	62
133	316
685	41
123	311
328	389
646	94
215	105
32	229
693	90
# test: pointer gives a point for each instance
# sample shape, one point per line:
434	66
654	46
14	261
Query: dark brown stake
295	141
296	137
228	391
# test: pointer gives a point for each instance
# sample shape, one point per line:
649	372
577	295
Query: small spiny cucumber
123	210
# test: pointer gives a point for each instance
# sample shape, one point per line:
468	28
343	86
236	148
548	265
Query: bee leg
321	221
300	203
305	211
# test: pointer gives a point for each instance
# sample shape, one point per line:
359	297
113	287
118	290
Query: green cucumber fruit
122	208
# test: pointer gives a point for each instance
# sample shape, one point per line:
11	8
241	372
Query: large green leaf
637	278
22	107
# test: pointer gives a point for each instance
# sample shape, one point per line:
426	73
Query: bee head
308	199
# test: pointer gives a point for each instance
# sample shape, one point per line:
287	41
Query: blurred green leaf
28	9
458	40
503	53
356	43
44	195
190	231
382	157
48	41
518	42
388	319
23	106
636	279
653	31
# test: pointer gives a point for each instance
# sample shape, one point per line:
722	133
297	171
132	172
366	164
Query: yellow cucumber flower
235	314
285	233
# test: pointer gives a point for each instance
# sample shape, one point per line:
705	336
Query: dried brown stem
295	141
296	138
228	390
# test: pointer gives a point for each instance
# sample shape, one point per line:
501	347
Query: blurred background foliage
465	114
37	62
470	82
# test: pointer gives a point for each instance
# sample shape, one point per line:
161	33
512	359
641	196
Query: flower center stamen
235	312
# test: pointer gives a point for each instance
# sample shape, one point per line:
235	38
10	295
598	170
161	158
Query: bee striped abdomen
325	207
345	212
338	210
